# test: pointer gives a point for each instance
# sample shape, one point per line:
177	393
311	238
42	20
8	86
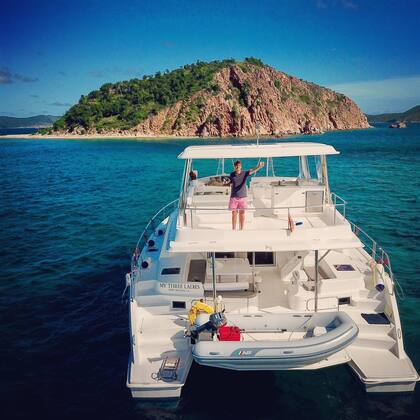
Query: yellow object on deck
196	309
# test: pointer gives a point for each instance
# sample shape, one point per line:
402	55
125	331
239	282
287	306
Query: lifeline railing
162	214
377	253
380	256
192	211
333	199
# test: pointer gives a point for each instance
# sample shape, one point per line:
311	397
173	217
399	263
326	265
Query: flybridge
289	149
292	213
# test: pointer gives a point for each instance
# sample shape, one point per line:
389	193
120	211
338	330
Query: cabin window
262	258
170	271
197	271
315	168
178	304
224	254
284	167
344	267
344	301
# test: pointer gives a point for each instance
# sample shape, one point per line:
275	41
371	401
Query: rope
123	293
127	284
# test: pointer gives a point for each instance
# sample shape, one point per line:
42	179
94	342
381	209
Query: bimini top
257	151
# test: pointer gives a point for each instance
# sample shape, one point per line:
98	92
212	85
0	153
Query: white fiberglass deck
158	337
290	213
311	231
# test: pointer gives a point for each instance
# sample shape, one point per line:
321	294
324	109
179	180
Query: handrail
259	208
144	235
378	254
375	250
193	210
333	200
337	307
338	197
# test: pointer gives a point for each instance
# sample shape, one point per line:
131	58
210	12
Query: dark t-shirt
238	184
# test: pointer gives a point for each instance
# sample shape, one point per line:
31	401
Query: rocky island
216	99
412	115
38	121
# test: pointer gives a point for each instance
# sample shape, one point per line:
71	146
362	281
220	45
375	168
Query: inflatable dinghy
276	341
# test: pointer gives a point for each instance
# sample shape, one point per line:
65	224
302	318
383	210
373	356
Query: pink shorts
237	203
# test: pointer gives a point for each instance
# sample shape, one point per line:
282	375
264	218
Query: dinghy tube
321	335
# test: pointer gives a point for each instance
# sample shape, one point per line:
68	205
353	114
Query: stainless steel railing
376	252
151	225
336	306
333	199
193	211
379	255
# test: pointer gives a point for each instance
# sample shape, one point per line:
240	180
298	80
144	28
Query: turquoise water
70	214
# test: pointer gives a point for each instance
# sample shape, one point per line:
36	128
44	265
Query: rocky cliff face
278	103
246	96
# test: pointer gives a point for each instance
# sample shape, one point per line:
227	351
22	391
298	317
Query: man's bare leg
241	219
234	217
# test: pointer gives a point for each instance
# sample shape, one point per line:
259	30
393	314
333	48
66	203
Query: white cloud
387	95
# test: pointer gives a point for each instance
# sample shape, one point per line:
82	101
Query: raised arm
257	168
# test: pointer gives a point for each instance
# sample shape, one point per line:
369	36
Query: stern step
382	371
367	304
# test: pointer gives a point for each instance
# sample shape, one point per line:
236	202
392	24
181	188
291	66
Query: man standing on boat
237	202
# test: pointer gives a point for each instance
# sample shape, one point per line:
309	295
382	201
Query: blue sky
52	52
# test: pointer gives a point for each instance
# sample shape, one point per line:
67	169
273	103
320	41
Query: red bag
227	333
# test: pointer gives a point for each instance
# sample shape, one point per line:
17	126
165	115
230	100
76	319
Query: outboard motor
216	320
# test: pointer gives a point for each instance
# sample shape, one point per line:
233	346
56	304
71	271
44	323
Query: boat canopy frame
301	150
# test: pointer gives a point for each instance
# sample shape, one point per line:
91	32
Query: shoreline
126	137
159	137
89	137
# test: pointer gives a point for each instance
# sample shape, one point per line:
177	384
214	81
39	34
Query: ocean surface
71	212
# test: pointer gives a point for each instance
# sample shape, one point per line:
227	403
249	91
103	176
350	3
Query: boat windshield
304	167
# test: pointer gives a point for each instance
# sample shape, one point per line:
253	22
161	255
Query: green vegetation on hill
124	104
412	115
29	122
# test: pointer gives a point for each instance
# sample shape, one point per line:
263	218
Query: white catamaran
300	287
